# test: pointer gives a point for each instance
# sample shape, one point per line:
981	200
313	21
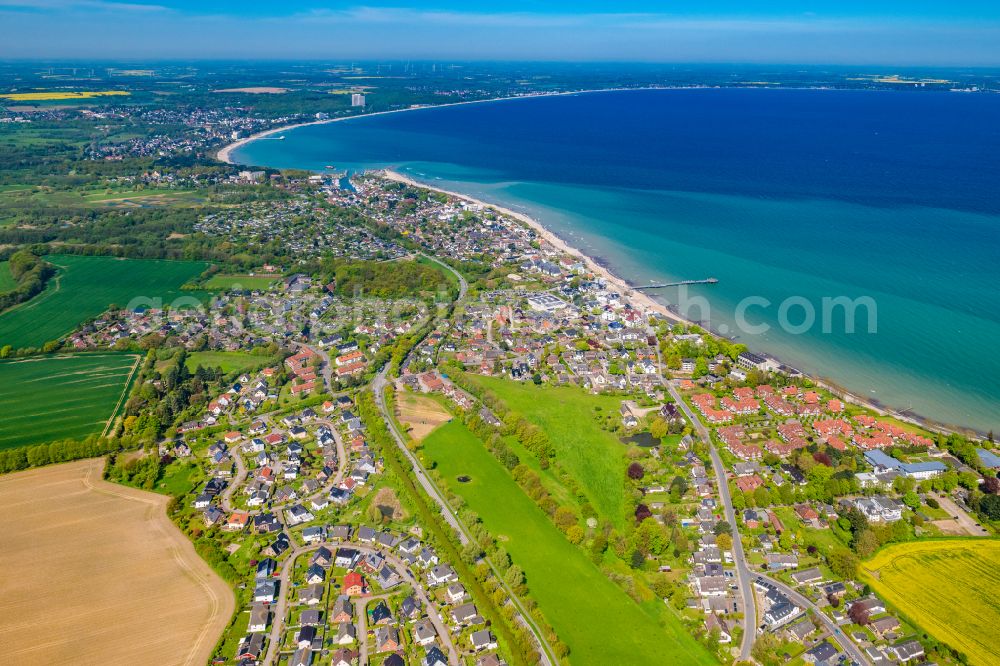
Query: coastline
638	299
225	153
646	304
642	301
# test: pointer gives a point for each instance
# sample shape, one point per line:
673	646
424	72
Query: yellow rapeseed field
949	587
49	96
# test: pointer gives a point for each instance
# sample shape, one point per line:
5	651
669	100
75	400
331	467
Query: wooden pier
664	285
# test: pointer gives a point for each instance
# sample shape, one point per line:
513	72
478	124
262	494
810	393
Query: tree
969	480
680	541
678	486
722	527
514	576
659	428
989	505
564	518
856	519
642	512
635	471
470	552
991	485
597	547
764	650
866	543
858	614
374	513
912	500
724	541
843	562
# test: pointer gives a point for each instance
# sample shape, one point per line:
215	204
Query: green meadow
593	456
7	281
600	623
228	361
84	287
225	282
46	196
57	397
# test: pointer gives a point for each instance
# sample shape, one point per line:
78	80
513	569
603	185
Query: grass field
593	456
7	281
56	95
224	282
105	570
56	397
600	623
85	286
228	361
948	587
125	198
419	414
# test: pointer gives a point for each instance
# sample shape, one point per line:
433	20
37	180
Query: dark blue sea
786	196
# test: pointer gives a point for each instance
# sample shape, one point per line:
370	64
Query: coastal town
758	492
401	426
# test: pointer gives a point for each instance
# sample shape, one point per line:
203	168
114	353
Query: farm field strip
85	287
57	397
57	95
103	566
948	587
599	622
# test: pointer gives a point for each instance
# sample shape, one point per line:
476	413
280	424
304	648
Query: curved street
281	608
846	644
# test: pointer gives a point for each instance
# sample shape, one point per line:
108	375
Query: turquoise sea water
779	194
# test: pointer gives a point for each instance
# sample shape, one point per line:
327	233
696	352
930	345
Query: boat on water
330	166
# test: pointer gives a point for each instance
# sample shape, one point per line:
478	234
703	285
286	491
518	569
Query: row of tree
64	450
30	273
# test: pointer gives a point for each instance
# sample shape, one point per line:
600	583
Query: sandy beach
637	299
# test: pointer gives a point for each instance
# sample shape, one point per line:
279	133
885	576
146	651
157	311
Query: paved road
960	515
225	499
378	386
743	574
280	609
361	607
846	644
463	286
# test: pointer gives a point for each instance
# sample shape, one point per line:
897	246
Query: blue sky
917	32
